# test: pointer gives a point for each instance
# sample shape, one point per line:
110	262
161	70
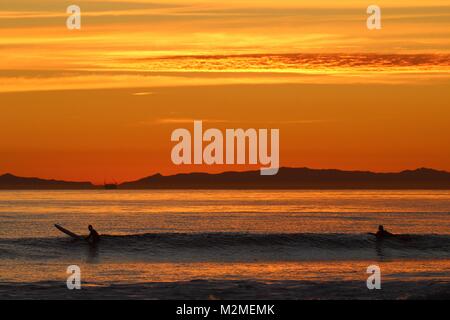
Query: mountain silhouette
298	178
287	178
12	182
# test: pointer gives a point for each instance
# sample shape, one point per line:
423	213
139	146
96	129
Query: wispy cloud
144	43
186	120
307	63
244	123
142	93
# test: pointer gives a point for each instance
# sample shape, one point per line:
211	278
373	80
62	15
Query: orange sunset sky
100	103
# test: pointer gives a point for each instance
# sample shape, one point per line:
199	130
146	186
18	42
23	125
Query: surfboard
68	232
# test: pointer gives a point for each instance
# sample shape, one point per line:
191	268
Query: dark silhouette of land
12	182
298	178
287	178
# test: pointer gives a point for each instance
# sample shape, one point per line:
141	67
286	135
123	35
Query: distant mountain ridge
12	182
298	178
287	178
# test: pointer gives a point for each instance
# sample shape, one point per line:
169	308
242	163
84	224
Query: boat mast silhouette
110	186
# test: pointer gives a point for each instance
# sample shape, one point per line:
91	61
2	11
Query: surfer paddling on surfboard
382	233
93	237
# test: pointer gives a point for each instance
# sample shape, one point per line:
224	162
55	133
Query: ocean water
225	244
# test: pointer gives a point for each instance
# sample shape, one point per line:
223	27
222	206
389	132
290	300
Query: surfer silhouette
93	237
382	233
